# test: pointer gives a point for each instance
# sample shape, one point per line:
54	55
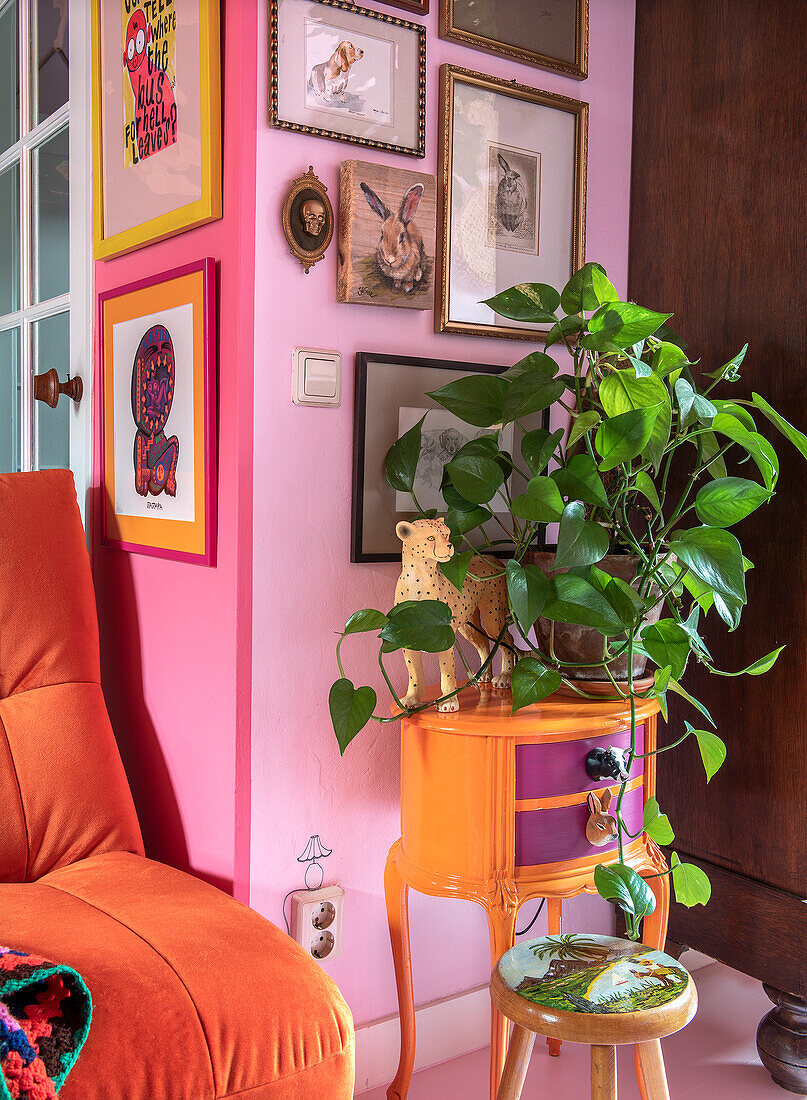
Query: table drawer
558	833
559	767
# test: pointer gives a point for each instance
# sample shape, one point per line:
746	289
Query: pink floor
714	1058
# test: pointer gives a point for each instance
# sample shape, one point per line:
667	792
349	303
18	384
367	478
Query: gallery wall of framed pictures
507	204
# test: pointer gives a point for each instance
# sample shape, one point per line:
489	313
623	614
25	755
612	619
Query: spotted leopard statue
481	606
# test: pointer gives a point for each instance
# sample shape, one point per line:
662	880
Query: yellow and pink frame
145	194
157	365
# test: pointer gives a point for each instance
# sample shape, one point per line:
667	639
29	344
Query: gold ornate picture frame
341	71
511	197
551	35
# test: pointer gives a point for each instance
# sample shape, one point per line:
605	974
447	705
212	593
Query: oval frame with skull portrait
308	219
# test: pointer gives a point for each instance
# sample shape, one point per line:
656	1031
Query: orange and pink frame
157	357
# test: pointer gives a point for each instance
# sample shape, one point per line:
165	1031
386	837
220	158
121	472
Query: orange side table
493	810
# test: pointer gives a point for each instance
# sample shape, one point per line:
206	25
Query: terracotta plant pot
584	643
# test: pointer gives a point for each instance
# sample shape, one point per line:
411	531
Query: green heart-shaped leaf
623	323
644	485
656	824
542	502
579	293
420	624
571	599
580	541
620	883
538	446
402	458
579	480
533	392
667	643
477	398
476	477
623	437
527	589
583	423
351	709
715	556
456	567
532	302
531	682
362	621
797	438
691	884
712	750
728	500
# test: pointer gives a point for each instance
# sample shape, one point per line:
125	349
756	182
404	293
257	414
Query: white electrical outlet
318	920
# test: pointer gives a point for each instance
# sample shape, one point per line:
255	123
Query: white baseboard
445	1029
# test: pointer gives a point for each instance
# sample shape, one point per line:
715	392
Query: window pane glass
9	77
51	89
51	220
10	239
10	401
52	349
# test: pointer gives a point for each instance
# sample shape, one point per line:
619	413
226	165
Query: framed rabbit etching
386	236
512	197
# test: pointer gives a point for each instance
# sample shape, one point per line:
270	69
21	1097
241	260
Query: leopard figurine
481	606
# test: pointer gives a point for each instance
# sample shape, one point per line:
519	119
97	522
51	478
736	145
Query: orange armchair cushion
195	996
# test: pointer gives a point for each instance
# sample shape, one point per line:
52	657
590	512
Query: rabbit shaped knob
601	828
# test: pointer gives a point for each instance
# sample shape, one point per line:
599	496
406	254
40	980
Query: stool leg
654	934
517	1064
554	921
502	927
397	895
655	1077
603	1073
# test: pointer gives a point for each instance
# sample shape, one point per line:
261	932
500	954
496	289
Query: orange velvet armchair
195	996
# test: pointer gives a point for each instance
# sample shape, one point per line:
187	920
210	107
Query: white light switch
316	377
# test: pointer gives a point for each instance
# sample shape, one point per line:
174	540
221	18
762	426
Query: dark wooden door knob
49	389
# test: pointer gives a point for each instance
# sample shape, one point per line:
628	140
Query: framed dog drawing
345	72
387	224
157	341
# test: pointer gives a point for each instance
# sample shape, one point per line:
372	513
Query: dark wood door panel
718	238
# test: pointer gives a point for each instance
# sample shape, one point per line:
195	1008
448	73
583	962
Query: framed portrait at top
157	354
390	397
552	34
512	201
346	72
156	120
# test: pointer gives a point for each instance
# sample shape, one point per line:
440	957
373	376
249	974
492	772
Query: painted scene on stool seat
593	974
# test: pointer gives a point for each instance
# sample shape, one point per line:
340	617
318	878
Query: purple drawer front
559	767
555	835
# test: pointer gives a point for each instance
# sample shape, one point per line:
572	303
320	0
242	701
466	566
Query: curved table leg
502	927
654	934
396	892
554	922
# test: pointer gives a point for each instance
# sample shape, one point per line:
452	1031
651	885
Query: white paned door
45	233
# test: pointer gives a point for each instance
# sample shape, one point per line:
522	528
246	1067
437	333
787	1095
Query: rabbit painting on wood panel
386	236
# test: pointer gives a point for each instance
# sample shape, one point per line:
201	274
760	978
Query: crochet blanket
45	1013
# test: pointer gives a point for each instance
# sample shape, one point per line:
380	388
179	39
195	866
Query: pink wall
304	585
176	637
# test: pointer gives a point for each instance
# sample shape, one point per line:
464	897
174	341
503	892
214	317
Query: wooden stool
592	989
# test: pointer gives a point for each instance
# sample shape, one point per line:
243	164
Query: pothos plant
652	464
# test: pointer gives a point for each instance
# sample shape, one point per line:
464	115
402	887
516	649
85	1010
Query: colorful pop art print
157	357
149	100
156	120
